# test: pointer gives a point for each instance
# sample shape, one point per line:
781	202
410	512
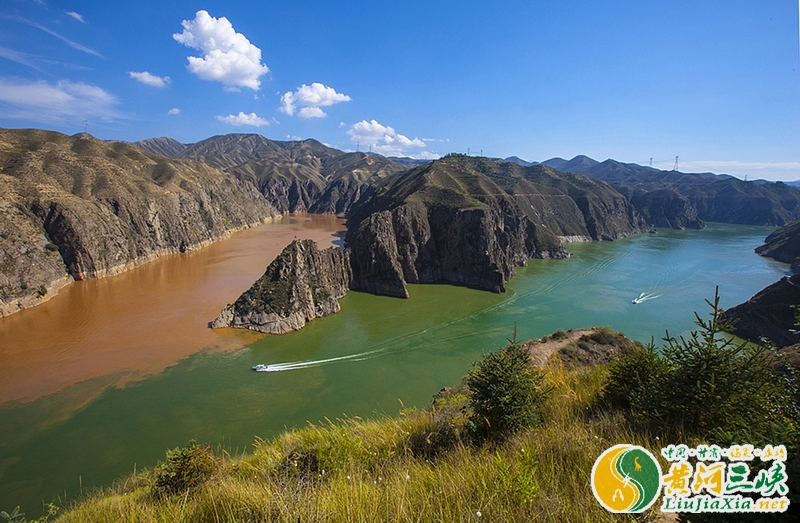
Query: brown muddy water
136	324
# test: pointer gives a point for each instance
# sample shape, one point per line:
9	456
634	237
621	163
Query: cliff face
471	220
301	284
784	245
87	209
665	208
769	314
568	204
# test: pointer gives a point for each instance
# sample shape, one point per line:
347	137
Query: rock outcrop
301	284
769	313
470	221
79	208
783	245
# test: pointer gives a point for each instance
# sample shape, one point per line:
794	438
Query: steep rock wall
769	313
301	284
90	209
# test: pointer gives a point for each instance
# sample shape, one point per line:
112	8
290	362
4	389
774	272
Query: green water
379	351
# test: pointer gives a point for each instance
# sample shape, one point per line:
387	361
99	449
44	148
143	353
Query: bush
184	468
706	385
505	393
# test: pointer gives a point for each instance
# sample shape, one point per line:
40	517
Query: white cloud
228	56
385	140
20	57
311	112
174	110
426	155
310	98
74	45
150	79
43	102
240	119
76	16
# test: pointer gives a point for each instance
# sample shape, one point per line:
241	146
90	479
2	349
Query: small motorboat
261	368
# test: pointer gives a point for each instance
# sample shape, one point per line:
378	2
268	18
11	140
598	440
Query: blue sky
716	83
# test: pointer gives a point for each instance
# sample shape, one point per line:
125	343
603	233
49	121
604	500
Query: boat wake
297	365
645	296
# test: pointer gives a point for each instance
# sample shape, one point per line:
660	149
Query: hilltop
295	176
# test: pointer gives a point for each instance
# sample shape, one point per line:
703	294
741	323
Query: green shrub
184	468
708	385
634	379
505	393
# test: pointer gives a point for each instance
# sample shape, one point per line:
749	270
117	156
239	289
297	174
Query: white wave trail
297	365
645	296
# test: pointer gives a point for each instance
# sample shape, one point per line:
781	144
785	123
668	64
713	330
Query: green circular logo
626	478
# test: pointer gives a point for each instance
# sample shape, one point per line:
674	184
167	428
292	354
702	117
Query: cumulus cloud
385	140
150	79
44	102
240	119
310	98
76	16
174	110
228	56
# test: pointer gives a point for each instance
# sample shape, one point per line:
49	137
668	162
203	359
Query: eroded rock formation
301	284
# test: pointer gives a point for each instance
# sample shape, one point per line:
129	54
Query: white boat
261	368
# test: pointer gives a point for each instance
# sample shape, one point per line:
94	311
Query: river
109	374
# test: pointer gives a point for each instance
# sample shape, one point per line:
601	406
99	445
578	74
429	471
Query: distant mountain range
667	198
295	176
309	176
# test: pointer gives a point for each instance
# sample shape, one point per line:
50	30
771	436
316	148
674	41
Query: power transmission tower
651	161
675	168
85	126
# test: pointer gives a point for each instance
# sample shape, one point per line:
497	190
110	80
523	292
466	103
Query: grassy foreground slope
512	462
415	467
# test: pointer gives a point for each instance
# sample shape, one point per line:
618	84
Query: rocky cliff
664	208
769	313
470	221
301	284
77	208
784	245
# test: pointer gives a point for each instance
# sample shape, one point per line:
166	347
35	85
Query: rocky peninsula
301	284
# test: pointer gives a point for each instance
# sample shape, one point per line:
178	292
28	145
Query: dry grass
414	467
